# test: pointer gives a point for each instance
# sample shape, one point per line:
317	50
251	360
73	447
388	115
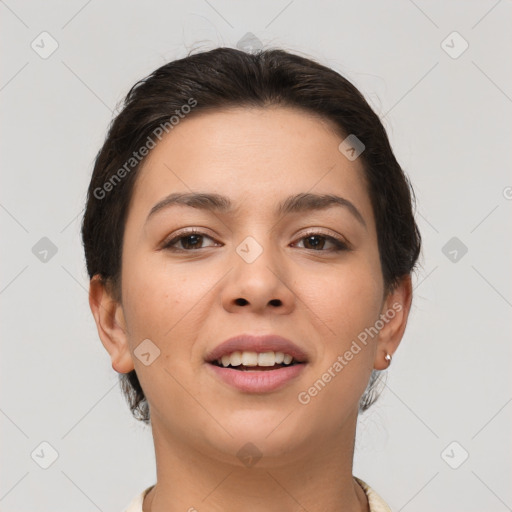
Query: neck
316	478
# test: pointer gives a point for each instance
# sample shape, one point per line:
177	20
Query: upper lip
251	343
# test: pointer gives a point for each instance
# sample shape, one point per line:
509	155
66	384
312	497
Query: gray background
447	114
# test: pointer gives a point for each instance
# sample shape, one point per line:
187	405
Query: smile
253	372
254	361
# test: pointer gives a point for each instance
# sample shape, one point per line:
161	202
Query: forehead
255	156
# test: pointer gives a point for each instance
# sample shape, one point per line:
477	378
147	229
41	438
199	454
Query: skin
186	304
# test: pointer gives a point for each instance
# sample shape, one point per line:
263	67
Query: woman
250	240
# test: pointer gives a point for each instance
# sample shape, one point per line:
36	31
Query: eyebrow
302	202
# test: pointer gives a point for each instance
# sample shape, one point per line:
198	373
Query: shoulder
136	504
376	503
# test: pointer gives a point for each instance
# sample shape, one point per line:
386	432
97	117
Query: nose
259	280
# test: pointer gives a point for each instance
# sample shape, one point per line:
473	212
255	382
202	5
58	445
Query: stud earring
387	357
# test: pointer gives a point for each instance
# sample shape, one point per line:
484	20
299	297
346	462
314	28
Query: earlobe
394	314
109	318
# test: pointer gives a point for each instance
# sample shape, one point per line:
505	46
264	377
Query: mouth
257	364
253	372
248	361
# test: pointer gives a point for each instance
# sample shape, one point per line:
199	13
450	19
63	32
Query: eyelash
339	245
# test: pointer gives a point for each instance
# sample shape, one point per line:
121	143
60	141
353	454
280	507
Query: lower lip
262	381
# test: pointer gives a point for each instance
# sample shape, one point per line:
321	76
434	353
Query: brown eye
316	242
189	241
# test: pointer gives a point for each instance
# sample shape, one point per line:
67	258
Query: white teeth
254	359
266	359
250	358
236	359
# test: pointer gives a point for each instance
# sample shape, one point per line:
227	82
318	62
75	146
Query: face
311	275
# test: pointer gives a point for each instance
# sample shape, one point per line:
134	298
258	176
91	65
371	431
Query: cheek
162	299
166	304
346	299
347	303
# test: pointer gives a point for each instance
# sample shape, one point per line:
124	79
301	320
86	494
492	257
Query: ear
394	314
109	317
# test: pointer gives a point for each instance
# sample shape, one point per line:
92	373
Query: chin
265	437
